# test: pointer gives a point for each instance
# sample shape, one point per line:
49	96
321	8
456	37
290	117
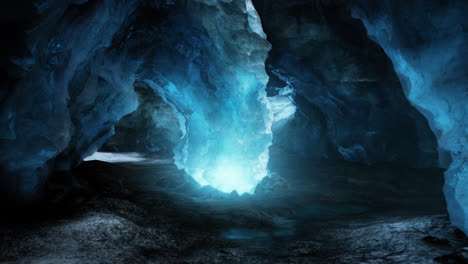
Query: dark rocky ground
148	212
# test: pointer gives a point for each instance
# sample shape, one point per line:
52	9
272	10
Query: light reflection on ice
127	157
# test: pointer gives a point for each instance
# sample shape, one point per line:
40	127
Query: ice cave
234	131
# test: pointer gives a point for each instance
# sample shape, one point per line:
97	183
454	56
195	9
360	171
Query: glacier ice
347	92
204	58
70	90
427	43
227	138
219	94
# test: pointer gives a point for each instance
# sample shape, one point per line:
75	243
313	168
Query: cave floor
149	212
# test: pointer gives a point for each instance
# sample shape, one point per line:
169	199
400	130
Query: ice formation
429	56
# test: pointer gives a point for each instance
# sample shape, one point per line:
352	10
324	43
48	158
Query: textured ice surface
204	59
427	43
229	125
227	142
347	93
211	73
71	89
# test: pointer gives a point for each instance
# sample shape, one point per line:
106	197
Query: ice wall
427	42
210	69
350	104
204	59
67	91
229	120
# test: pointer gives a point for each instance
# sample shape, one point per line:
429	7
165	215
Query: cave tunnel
234	131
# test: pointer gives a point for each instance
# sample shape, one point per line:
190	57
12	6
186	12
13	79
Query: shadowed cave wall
350	102
427	43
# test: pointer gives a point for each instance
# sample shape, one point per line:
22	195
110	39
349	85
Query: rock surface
147	213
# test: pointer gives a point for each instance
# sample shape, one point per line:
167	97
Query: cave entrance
144	141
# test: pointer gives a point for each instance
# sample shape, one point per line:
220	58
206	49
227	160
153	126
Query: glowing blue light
226	177
227	130
228	133
226	117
